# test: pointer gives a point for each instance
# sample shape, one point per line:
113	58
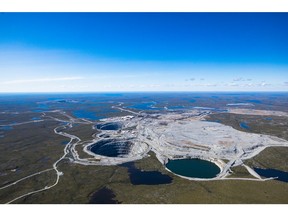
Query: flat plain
29	147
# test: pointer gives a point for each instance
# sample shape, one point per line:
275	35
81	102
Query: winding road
66	150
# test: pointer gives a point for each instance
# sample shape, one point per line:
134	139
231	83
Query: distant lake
210	109
43	106
194	168
244	125
6	128
268	173
86	114
145	106
255	101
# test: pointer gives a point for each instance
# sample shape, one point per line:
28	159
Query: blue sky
92	52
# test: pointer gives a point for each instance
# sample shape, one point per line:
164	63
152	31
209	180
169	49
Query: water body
111	148
103	196
38	111
109	126
268	173
41	108
268	119
194	168
211	109
139	177
6	128
145	106
85	114
244	125
255	101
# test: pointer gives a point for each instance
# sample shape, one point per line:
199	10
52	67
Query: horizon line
105	92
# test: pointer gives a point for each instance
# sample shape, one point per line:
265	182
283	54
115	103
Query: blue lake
210	109
37	111
43	107
255	101
86	115
194	168
145	106
6	128
268	173
244	126
176	107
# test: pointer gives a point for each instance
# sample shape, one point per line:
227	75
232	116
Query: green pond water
194	168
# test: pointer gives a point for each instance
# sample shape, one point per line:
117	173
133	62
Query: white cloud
238	79
241	79
248	85
41	80
191	79
210	85
236	84
264	84
203	85
232	84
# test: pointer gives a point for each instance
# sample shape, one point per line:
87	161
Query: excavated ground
177	136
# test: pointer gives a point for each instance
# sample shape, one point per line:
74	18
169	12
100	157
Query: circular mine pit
109	126
111	148
193	168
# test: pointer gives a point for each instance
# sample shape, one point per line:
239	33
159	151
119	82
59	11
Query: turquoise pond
193	168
